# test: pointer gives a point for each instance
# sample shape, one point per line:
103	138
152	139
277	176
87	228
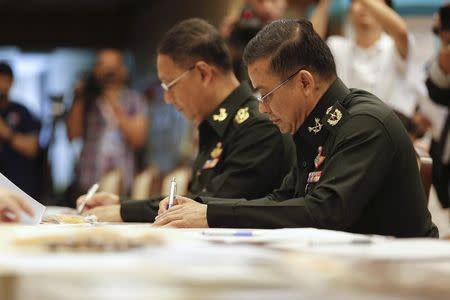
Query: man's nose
263	107
168	98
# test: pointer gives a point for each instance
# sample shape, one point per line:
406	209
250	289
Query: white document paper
38	208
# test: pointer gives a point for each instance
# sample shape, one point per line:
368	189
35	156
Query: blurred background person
377	55
264	11
111	119
438	85
19	146
238	29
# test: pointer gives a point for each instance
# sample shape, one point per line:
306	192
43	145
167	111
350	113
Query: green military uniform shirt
356	171
241	154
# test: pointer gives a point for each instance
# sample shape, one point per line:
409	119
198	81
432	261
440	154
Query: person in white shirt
377	57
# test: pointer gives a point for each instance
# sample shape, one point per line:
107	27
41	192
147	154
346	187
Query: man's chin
282	128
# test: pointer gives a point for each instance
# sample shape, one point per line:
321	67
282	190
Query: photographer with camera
111	120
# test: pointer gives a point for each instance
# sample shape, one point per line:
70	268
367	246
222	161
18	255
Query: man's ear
206	71
306	81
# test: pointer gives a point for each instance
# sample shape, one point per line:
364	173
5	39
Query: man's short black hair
389	3
291	44
193	40
5	69
444	17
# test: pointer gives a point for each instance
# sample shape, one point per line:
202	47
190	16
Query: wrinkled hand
11	205
108	213
187	213
163	204
99	199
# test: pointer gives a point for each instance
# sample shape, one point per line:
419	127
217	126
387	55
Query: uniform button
204	190
304	164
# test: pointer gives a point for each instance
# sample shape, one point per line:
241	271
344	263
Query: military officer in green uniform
241	153
356	168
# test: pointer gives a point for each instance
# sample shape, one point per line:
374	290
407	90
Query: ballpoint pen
173	191
353	241
89	195
225	233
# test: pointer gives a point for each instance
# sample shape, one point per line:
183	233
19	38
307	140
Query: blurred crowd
114	122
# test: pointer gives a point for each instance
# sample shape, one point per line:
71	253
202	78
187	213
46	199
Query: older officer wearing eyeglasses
241	153
356	167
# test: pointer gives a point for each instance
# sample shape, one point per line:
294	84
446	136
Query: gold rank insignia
334	117
215	155
242	115
317	128
217	151
222	115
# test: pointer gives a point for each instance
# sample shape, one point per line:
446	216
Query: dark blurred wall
46	24
156	17
41	25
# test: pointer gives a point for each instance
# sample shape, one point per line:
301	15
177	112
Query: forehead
261	74
109	58
166	67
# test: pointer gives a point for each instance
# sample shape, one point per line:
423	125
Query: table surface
224	264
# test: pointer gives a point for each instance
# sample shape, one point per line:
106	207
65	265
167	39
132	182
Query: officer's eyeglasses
262	98
167	86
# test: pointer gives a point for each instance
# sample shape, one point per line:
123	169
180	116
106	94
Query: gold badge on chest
317	128
334	117
242	115
217	151
215	157
221	116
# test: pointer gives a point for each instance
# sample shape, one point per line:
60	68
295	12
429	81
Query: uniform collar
314	129
224	113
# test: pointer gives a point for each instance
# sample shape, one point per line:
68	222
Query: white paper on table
38	208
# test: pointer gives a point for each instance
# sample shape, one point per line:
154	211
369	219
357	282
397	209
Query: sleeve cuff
437	76
219	216
220	212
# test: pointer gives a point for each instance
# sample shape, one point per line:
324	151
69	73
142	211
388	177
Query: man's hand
163	204
11	205
187	213
99	199
108	213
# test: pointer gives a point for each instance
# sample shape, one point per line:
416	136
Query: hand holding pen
89	195
171	199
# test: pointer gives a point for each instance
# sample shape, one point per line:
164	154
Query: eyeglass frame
166	87
262	98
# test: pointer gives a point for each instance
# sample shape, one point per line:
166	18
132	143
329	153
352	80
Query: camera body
95	84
